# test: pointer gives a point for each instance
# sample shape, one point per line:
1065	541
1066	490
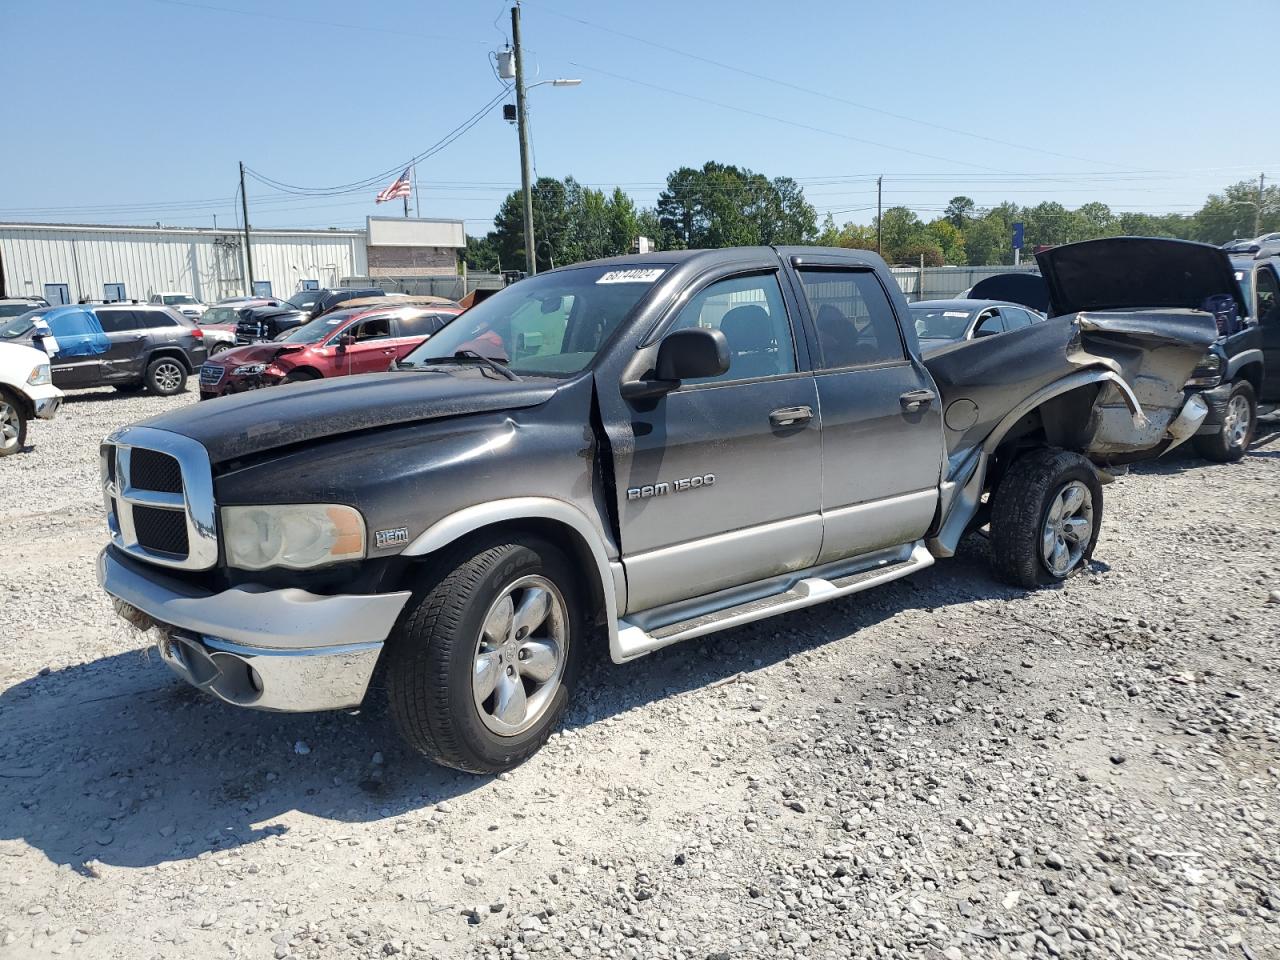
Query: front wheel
1232	437
166	376
13	425
1045	518
480	669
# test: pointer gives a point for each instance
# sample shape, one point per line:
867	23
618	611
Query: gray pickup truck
644	449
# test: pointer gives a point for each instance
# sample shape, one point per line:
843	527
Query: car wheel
13	425
217	346
166	376
1045	518
128	387
480	669
300	376
1235	432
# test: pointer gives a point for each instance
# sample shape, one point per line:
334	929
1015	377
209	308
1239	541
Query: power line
826	95
791	123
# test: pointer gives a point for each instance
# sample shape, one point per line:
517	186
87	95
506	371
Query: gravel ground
943	768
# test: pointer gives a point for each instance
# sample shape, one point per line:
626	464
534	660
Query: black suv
151	346
316	302
266	323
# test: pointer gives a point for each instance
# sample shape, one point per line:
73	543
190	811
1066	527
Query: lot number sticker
630	276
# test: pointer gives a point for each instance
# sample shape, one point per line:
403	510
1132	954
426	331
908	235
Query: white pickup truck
26	391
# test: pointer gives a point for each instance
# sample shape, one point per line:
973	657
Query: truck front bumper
285	650
1216	400
46	400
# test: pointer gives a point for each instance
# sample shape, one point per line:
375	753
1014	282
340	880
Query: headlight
292	535
249	369
39	376
1208	372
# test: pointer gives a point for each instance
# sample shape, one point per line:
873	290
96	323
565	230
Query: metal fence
941	283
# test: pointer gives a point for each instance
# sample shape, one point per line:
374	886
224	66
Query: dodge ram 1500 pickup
645	450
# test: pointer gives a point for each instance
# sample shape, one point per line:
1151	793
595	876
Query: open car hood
1136	273
1119	273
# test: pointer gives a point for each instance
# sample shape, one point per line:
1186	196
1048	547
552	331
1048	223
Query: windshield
936	323
14	309
219	315
173	299
304	299
19	326
316	330
551	324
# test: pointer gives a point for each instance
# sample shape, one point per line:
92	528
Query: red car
335	344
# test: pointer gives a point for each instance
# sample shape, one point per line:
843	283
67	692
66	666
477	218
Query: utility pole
522	124
1257	211
879	198
248	251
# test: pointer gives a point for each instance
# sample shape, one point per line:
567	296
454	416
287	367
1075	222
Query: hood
1028	289
248	423
254	353
1136	273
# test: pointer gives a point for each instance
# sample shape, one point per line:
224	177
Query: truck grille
211	374
149	470
158	488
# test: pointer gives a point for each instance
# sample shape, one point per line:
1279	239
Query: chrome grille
158	488
211	374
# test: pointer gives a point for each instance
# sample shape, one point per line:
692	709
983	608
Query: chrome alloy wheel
1236	423
1068	528
10	426
168	376
520	656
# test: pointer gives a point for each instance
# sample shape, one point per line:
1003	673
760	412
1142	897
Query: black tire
217	346
128	387
1020	510
432	653
300	376
166	376
1226	444
13	424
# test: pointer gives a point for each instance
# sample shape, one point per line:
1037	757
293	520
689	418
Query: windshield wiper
470	356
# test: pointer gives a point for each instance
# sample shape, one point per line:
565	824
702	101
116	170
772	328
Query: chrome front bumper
285	650
46	400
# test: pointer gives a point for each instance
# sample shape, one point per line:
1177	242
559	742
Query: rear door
718	481
371	349
410	329
881	427
124	361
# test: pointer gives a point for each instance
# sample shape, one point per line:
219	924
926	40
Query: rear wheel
1045	518
166	376
217	346
1235	432
480	670
13	425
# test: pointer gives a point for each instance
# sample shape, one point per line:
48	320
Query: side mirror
683	355
345	340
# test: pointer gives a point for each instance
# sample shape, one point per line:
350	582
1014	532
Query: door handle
914	400
790	416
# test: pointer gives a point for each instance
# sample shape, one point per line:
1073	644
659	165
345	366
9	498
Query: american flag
401	188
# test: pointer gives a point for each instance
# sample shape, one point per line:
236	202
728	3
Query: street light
522	123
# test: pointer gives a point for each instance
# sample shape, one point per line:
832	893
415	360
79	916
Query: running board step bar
636	642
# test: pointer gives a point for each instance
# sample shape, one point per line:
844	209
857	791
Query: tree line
721	205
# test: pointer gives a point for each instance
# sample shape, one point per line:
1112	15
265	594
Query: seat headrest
747	328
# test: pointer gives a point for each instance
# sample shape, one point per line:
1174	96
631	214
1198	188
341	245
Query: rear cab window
854	319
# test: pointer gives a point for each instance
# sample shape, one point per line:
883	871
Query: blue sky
135	111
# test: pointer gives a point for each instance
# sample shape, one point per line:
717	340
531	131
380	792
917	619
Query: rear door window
118	321
419	325
1015	318
989	325
854	320
155	318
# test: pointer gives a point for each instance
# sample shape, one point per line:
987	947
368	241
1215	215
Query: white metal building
70	262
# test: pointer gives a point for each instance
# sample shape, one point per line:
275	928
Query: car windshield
304	299
938	323
552	324
14	309
174	299
316	330
19	326
220	315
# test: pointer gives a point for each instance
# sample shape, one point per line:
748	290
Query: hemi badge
397	537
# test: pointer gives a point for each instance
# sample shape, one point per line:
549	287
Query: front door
1268	290
718	481
881	428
